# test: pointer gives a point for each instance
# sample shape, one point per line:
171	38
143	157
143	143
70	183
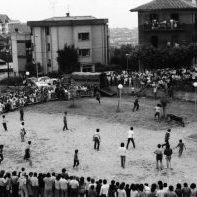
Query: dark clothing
179	193
98	97
76	163
96	144
123	159
167	136
128	141
186	192
21	115
27	154
5	126
65	126
136	105
168	152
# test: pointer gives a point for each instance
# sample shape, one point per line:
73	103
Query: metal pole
120	96
36	70
195	100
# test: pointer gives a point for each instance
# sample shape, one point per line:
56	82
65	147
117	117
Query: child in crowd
122	152
76	159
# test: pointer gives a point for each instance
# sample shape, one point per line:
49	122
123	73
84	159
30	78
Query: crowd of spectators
33	184
13	99
163	78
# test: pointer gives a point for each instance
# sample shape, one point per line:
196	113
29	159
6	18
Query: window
84	52
47	31
48	47
175	16
83	36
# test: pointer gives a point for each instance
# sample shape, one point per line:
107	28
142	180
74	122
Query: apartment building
88	34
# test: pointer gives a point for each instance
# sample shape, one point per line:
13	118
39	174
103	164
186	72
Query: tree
164	101
68	59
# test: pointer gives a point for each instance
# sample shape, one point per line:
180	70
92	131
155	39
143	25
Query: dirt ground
53	149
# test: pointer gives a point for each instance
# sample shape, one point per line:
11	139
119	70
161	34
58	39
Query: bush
12	81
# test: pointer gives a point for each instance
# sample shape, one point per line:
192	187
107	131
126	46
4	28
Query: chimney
67	14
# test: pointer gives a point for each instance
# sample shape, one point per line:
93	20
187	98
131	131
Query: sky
117	11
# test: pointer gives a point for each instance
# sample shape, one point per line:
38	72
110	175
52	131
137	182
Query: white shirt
130	134
63	184
104	189
122	151
34	181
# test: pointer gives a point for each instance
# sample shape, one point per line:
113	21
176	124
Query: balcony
164	26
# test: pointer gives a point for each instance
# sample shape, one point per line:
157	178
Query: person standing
168	152
27	155
4	123
136	105
1	153
65	121
159	157
181	146
97	139
104	189
98	96
21	114
130	137
167	138
76	159
122	152
23	132
158	112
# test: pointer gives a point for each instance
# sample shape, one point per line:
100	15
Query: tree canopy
68	59
153	58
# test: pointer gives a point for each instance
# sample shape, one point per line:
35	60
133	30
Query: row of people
53	184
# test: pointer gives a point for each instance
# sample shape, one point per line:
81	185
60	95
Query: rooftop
68	21
63	18
166	5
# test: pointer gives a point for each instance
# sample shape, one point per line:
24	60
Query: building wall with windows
21	51
88	34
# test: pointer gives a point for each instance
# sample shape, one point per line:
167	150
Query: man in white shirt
130	137
34	183
74	185
64	187
104	189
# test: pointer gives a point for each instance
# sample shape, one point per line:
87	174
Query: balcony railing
163	26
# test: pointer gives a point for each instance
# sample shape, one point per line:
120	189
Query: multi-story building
88	34
21	51
167	22
4	21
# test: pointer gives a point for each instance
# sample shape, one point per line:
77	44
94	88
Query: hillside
120	36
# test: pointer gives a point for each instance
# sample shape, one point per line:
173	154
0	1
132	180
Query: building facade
21	51
167	22
88	34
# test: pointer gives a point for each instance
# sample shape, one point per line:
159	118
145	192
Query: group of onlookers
35	184
161	78
15	99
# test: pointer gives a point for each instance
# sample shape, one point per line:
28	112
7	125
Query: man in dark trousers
136	105
167	138
96	139
65	121
130	137
21	114
4	123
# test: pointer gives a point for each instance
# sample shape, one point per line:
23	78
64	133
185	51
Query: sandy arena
52	149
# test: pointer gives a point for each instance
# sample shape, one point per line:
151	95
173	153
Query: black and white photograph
98	98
